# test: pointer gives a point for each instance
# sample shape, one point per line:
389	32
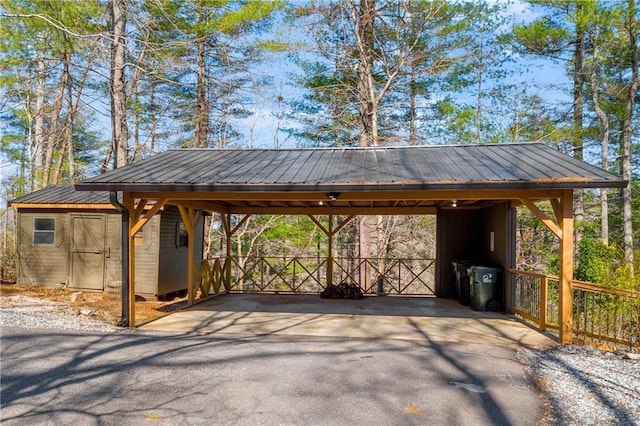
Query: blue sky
262	123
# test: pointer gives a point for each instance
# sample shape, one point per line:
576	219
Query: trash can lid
462	262
488	268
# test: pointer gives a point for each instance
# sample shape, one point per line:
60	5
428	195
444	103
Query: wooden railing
602	317
260	274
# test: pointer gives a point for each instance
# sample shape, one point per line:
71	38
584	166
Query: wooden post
190	218
226	222
330	232
566	268
330	252
128	203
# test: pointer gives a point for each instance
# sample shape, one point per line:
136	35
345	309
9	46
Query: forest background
86	86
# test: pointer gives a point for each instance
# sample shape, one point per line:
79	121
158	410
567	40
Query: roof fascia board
329	187
541	194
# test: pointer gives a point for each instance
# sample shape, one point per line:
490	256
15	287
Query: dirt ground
106	307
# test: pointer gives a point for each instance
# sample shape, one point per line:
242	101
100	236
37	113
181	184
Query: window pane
44	224
43	237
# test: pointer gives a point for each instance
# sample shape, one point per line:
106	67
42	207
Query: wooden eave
61	206
66	206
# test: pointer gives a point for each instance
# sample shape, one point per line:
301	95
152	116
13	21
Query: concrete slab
414	319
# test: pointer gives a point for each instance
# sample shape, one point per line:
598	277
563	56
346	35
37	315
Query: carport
470	188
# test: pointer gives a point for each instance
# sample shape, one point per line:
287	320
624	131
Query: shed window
182	238
44	231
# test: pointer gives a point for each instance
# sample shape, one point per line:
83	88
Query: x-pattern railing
389	276
308	275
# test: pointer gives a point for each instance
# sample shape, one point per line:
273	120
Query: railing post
330	252
542	303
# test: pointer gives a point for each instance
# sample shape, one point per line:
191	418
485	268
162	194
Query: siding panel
173	260
46	265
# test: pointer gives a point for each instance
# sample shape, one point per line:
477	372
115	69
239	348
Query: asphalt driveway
169	377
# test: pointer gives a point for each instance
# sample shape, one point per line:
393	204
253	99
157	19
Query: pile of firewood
342	291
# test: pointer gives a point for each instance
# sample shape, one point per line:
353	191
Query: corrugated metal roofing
63	194
437	167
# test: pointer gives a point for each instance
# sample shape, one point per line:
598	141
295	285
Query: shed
472	187
72	238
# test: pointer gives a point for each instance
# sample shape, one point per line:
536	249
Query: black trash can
485	294
462	280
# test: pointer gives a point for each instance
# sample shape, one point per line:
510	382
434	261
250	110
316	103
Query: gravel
584	386
579	385
32	312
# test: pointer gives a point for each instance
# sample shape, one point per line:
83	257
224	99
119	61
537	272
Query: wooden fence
253	274
602	317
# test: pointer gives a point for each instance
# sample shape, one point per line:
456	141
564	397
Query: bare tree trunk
412	106
54	136
73	110
363	20
604	142
39	133
202	104
479	94
578	84
627	214
119	127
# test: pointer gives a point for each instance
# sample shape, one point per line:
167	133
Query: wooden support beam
239	224
557	209
330	232
190	218
139	209
542	216
319	225
566	268
226	223
140	221
330	252
128	202
334	210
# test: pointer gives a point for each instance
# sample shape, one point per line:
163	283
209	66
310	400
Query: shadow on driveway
276	363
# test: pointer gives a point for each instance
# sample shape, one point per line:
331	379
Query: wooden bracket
543	217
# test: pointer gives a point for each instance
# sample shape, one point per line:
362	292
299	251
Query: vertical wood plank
190	260
566	268
190	218
226	221
330	252
129	204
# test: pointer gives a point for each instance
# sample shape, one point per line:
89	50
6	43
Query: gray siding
173	260
113	257
49	265
46	265
147	259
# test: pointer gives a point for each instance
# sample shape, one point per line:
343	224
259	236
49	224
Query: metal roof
436	167
63	195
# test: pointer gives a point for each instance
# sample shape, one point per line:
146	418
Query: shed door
87	252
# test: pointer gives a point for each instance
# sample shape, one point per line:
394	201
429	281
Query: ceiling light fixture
454	203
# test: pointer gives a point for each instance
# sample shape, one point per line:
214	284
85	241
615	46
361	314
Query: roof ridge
358	148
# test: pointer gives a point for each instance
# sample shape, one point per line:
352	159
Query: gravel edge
581	385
